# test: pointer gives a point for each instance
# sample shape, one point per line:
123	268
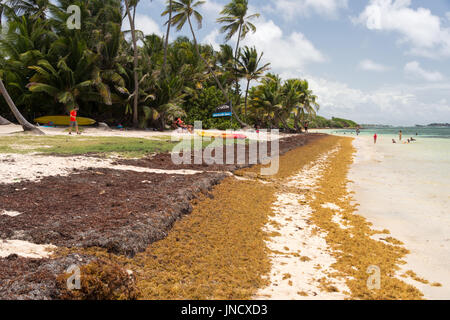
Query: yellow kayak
208	134
223	135
64	120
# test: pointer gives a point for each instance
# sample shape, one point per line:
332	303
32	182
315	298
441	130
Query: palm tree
307	104
236	21
269	97
69	74
184	10
23	122
166	44
132	19
249	68
33	8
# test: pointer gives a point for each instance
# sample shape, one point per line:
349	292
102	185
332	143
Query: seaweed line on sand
307	259
353	247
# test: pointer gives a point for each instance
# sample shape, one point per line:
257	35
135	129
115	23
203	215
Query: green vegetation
139	80
79	145
321	122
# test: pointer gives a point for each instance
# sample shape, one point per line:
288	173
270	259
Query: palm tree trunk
285	124
298	128
211	71
236	57
131	19
166	45
20	118
246	99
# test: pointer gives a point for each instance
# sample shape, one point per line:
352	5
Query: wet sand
404	188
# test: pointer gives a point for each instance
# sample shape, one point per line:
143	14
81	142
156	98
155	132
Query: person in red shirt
73	120
375	137
180	123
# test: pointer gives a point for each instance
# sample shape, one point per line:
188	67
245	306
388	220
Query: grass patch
78	145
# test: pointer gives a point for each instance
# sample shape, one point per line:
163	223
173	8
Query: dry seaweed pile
120	211
109	211
241	159
218	252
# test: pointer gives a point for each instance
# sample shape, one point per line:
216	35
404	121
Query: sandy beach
404	188
296	235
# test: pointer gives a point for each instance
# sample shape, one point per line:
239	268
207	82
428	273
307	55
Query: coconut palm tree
20	118
184	10
248	67
70	70
166	44
33	8
269	97
236	21
307	105
131	5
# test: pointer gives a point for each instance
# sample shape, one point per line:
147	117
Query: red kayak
233	136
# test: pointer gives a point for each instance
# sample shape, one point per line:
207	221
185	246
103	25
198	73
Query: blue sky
373	61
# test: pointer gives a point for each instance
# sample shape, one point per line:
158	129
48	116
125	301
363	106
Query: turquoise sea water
423	132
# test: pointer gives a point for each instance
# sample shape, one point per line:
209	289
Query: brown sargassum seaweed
219	250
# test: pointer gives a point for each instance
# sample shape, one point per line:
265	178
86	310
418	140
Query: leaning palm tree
248	67
184	10
236	21
20	118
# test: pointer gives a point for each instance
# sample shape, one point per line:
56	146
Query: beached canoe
63	120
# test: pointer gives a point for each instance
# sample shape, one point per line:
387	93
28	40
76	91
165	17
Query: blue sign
222	114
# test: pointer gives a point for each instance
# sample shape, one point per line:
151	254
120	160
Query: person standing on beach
400	133
306	126
73	120
375	137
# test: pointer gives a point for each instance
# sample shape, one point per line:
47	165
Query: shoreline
396	190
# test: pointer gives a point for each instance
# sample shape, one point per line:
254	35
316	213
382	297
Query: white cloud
212	8
419	28
211	39
283	51
414	70
397	105
447	14
369	65
292	8
145	24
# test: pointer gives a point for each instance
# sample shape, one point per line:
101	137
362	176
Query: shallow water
405	188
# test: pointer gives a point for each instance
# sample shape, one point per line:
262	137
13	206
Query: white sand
19	167
96	132
25	249
405	189
9	213
290	274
